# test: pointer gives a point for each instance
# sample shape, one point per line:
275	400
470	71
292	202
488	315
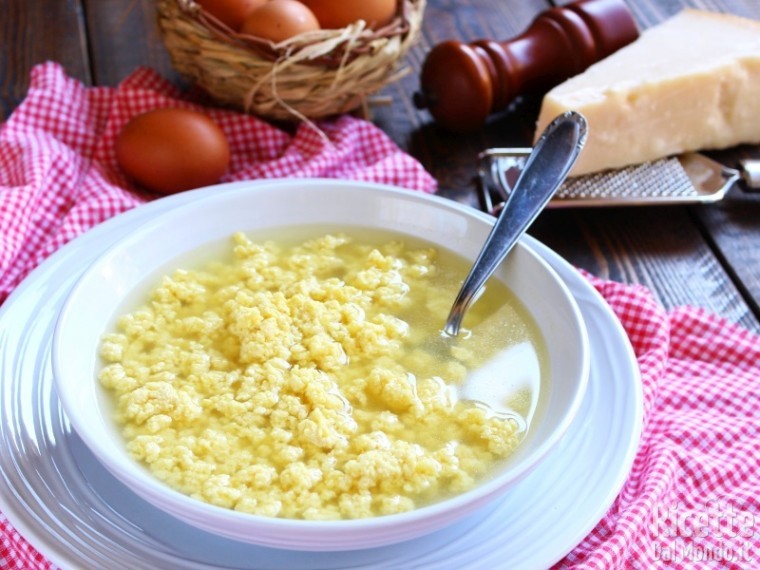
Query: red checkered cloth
59	175
691	500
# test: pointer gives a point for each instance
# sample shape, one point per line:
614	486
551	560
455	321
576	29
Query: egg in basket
290	59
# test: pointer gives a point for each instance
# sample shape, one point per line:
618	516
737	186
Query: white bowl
255	206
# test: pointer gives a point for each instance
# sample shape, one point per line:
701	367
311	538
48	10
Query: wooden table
702	255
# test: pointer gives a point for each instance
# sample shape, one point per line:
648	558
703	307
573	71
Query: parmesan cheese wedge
690	83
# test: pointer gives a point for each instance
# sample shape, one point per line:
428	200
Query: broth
303	375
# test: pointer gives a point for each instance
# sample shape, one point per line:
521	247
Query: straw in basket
309	76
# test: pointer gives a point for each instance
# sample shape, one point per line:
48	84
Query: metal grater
685	179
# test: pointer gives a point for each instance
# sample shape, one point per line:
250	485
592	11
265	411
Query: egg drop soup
307	378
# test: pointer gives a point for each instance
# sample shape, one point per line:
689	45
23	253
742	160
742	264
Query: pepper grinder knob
461	84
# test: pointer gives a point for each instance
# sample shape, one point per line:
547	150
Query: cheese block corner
690	83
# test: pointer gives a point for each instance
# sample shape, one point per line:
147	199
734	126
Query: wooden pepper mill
461	84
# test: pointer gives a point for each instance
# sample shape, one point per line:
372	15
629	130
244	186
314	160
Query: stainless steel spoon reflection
551	160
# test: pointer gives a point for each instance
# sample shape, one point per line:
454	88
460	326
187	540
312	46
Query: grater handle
750	169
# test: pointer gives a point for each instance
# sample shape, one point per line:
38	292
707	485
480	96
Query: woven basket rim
316	74
350	42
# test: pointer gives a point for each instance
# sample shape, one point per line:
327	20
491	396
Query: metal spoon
553	156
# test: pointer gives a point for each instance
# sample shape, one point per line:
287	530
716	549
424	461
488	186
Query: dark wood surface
701	255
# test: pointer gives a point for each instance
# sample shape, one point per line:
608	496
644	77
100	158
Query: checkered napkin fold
691	500
59	175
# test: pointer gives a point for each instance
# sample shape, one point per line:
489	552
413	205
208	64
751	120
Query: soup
309	379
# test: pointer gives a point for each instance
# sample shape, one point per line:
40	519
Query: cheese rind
691	83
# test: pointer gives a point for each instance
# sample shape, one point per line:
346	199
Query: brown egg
279	20
340	13
170	150
230	12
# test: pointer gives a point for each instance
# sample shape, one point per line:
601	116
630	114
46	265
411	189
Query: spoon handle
547	167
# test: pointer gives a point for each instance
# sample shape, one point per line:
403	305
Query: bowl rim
145	484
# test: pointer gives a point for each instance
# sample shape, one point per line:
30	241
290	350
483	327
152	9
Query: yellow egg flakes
298	382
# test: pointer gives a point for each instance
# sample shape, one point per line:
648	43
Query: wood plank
35	32
124	35
650	12
658	247
732	227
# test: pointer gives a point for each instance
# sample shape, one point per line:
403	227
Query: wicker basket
310	76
